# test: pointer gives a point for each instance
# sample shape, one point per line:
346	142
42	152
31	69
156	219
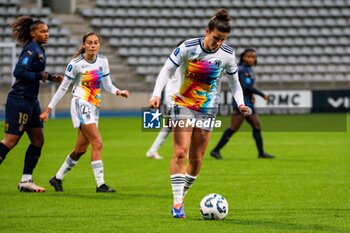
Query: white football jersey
200	73
88	77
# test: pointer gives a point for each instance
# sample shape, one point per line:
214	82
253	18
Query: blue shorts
21	115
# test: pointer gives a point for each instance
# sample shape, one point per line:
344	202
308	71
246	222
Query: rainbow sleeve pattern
198	86
91	86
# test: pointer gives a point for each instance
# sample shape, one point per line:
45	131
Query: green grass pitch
305	189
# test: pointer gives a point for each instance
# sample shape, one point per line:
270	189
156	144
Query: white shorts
192	118
83	112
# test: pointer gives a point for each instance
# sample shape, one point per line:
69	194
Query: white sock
177	185
188	183
97	167
26	177
160	139
67	165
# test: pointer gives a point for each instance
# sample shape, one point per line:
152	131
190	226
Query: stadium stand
61	45
300	43
304	42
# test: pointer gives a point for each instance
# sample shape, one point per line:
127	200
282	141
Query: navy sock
224	139
31	159
3	152
258	140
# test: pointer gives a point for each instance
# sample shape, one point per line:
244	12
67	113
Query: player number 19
23	118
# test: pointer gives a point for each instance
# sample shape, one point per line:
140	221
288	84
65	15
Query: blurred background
303	46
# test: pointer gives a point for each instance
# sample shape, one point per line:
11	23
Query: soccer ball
213	206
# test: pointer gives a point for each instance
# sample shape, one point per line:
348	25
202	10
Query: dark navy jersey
247	81
31	63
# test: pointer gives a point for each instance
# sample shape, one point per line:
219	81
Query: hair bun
222	14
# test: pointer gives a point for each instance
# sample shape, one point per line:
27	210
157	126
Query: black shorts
21	115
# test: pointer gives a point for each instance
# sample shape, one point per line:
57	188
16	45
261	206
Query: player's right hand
154	102
57	78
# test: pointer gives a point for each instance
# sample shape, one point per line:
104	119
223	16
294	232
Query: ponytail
22	26
220	20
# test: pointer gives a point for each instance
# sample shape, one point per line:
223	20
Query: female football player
22	105
247	79
202	62
87	71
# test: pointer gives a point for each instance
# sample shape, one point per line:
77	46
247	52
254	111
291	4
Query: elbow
16	73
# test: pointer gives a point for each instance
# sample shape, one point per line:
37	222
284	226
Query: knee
180	155
38	142
97	144
9	143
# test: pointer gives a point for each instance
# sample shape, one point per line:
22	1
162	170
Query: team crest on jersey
30	53
217	63
25	61
100	68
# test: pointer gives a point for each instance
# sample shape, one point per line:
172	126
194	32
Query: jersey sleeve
176	59
236	88
106	79
179	55
23	67
71	70
108	85
61	91
164	75
231	67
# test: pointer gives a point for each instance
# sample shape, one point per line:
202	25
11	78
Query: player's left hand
245	110
57	78
123	93
44	116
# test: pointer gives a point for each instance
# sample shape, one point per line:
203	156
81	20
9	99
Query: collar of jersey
202	47
82	55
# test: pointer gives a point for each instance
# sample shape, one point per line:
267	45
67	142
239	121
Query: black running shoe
104	189
57	184
266	156
216	154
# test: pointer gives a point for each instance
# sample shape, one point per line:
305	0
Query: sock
97	167
31	159
177	185
162	135
258	140
67	165
3	152
188	183
224	139
26	177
